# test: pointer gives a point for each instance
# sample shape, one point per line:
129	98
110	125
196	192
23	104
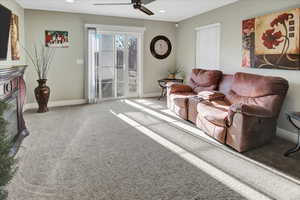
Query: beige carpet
137	150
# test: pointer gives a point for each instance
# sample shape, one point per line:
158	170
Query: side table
294	116
163	84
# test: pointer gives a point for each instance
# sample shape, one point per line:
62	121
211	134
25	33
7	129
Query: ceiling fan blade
145	10
145	2
111	4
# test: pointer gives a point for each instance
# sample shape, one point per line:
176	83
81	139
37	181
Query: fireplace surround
13	92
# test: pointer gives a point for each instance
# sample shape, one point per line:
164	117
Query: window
208	46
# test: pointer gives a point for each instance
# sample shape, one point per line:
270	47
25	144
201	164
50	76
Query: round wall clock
160	47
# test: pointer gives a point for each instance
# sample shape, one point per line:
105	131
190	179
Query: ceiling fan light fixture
162	11
137	4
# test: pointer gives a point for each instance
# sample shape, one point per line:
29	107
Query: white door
208	46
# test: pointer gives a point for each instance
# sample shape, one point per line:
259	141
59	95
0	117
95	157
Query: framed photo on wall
57	39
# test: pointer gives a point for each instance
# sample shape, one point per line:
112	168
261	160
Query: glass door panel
117	64
107	72
132	65
120	65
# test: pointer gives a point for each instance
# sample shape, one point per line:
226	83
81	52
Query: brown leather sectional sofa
239	110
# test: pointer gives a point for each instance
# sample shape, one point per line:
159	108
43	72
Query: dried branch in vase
41	58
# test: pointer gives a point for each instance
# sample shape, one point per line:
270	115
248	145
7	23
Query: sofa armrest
249	126
251	110
174	88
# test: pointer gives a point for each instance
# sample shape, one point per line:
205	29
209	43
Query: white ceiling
176	10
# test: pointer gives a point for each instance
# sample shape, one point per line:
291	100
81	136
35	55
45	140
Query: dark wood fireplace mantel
13	92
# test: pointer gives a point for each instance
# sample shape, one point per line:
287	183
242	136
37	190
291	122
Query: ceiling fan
137	4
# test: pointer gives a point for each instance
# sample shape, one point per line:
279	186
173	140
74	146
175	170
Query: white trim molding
51	104
287	135
130	29
141	65
207	26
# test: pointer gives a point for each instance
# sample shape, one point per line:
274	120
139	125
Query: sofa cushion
211	95
263	91
212	119
251	85
205	79
215	112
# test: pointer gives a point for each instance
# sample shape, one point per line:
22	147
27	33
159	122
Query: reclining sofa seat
256	102
179	94
247	116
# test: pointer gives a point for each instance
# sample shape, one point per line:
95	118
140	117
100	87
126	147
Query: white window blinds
208	46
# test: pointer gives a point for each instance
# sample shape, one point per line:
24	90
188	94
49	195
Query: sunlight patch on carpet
170	120
214	172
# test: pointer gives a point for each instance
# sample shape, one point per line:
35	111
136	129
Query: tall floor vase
42	93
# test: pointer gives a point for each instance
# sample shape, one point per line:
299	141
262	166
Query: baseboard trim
287	135
148	95
30	106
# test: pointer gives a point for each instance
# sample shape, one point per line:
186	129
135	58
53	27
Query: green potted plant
174	72
41	58
7	162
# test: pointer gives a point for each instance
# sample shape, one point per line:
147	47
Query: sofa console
239	110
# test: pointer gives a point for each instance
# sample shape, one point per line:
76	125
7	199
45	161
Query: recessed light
162	11
70	1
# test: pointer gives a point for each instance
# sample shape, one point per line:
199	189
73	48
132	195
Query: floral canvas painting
272	41
59	39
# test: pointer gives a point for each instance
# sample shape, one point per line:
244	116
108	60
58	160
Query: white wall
231	17
18	10
66	78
